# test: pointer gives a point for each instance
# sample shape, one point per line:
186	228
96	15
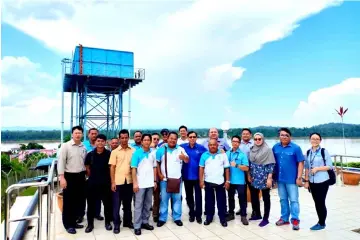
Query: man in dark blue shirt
288	171
190	175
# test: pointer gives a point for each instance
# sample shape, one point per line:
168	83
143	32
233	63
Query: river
333	145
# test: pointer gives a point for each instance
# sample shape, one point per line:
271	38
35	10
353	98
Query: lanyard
237	155
312	158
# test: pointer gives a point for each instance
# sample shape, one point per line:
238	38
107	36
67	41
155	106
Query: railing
49	184
342	164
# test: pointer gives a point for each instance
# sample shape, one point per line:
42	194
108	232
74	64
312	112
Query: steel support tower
97	87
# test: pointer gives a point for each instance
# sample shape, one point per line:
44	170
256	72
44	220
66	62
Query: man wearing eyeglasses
239	163
289	168
190	175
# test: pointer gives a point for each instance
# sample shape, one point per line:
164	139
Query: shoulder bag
173	184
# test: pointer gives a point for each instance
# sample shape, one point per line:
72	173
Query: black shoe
227	214
147	226
230	217
191	219
156	219
224	224
160	223
71	230
244	220
78	226
179	223
199	220
108	226
238	213
129	225
79	220
137	231
116	229
100	218
89	228
207	222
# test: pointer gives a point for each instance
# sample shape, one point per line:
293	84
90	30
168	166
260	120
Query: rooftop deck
343	217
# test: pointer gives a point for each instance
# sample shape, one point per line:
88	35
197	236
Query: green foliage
350	164
32	159
28	191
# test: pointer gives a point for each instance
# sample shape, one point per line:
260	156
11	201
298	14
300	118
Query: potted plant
59	197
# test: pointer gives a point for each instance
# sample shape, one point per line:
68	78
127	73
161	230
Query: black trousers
239	188
124	195
73	198
95	194
82	209
210	190
319	192
195	207
248	184
255	202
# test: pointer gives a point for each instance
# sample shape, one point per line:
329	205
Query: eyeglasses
284	135
155	139
257	139
192	136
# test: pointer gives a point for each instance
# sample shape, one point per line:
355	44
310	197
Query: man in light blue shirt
238	164
222	143
213	164
144	173
137	140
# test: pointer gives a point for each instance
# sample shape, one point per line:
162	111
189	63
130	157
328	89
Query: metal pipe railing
342	164
40	185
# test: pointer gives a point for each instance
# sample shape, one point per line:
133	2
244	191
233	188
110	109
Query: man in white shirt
213	164
183	131
170	158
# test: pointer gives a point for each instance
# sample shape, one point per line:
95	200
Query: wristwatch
306	180
228	181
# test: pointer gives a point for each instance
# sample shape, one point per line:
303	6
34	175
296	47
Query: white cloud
321	104
182	45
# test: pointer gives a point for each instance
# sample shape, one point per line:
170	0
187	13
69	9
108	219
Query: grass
30	191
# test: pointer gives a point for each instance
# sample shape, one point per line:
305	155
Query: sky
251	63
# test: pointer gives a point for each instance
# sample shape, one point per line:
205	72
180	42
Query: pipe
22	226
84	103
72	110
77	103
129	117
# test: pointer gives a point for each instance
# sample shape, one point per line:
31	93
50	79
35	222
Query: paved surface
343	216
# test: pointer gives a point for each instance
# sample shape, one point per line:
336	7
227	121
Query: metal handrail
50	208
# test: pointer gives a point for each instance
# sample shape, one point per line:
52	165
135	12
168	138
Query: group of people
149	173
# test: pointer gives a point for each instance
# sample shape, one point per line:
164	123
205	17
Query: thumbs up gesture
183	157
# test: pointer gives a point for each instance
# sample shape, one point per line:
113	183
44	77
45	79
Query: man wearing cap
165	134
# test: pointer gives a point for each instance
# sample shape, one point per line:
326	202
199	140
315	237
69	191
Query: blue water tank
104	62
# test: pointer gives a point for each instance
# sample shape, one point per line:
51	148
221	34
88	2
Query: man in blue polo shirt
137	140
239	163
190	174
289	168
213	164
144	174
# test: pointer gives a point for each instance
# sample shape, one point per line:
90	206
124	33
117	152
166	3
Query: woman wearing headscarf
262	164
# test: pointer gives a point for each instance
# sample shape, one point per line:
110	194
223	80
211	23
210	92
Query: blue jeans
289	192
164	203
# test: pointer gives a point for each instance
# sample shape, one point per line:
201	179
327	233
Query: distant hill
326	130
